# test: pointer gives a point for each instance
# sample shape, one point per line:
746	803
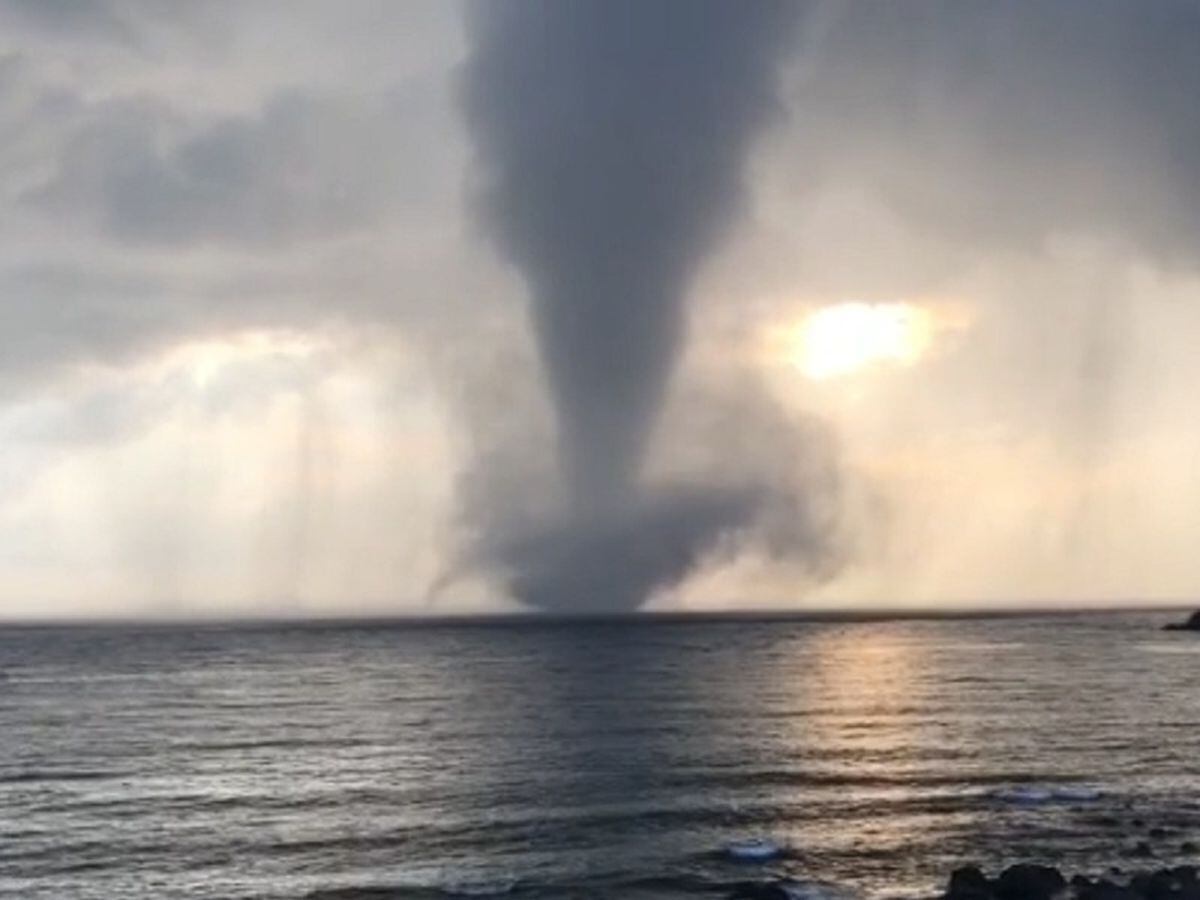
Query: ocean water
586	760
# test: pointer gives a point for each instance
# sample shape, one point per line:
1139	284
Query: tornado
611	138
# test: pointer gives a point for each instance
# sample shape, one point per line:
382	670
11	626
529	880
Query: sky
278	313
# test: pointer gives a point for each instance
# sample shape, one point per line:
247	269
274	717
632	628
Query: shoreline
1019	881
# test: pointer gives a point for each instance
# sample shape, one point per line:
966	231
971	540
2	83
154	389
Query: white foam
1024	795
754	849
1033	795
797	890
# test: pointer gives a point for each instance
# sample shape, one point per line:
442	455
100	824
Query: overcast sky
260	356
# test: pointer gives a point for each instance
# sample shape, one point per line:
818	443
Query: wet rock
1170	884
1107	890
1029	882
1192	624
1035	882
969	883
1140	883
753	890
1189	847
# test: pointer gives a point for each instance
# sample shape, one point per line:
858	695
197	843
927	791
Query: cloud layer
259	355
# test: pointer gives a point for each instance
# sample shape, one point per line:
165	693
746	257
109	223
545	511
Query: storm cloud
347	297
611	139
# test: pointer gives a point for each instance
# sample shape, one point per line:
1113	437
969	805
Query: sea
589	759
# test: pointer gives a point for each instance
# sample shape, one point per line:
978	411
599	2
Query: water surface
595	760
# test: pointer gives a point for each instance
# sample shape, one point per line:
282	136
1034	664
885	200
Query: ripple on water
382	762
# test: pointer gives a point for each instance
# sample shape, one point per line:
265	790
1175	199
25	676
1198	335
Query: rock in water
1029	882
969	883
1192	624
1169	884
756	891
1106	890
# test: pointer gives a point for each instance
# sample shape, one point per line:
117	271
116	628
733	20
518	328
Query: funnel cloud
611	138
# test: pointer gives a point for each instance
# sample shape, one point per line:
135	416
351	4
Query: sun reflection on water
865	731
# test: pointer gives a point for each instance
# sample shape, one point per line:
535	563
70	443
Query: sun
850	337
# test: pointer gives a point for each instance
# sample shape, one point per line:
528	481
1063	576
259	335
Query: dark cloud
304	167
616	559
113	200
611	139
55	314
159	184
149	29
731	475
726	429
1011	123
88	19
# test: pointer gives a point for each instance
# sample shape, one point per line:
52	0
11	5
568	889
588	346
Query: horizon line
501	618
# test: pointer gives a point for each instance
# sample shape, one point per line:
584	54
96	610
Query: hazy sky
263	352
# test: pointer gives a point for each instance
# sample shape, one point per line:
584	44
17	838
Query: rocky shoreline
1034	882
1191	624
1024	881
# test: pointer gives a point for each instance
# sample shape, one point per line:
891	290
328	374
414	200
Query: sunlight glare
204	360
848	337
